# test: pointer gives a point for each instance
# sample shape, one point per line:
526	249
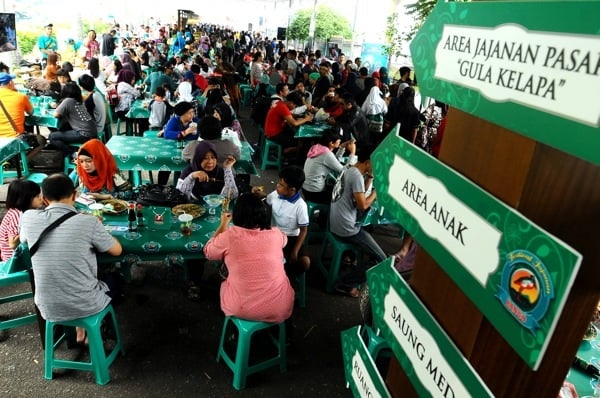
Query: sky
264	15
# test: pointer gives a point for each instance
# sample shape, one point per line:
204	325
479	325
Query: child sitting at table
22	195
289	213
98	173
160	109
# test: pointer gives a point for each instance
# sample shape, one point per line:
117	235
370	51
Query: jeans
374	254
61	140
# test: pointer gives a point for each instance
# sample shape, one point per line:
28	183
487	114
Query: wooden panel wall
558	192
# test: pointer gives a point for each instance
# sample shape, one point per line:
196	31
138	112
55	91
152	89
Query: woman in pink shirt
257	287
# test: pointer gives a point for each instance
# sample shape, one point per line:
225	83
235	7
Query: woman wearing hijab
127	92
98	173
375	108
204	177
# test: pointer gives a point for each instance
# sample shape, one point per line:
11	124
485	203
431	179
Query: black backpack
260	109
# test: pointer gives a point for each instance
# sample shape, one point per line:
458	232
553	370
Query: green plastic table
134	153
139	110
9	148
311	130
157	240
43	115
587	355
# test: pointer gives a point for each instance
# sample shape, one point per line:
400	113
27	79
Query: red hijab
106	167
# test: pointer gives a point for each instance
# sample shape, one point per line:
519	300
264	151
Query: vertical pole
311	28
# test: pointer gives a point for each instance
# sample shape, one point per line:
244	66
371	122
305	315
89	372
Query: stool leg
282	348
49	351
334	269
322	267
227	319
242	357
97	354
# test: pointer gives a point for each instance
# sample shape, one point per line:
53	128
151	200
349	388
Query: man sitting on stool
65	267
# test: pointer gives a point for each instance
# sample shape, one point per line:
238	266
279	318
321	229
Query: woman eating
204	177
98	173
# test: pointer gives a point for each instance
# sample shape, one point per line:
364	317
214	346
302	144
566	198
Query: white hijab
374	104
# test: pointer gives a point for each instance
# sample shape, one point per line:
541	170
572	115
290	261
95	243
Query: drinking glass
212	202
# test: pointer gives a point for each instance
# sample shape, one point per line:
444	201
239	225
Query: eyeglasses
312	59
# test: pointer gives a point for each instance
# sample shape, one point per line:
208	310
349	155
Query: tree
327	24
420	10
393	37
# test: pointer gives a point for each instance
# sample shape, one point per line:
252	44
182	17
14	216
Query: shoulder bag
33	249
31	139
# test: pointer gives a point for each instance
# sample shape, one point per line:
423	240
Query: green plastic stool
338	247
37	177
240	366
271	159
99	362
301	291
375	343
312	209
151	133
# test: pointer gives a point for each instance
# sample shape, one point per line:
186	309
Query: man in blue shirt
47	44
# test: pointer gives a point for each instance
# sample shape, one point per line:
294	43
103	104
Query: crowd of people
193	77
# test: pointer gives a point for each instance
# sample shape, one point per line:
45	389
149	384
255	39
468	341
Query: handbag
160	195
375	123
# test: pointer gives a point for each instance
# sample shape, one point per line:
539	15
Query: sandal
350	292
193	293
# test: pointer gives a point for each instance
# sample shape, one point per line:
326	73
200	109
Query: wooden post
557	191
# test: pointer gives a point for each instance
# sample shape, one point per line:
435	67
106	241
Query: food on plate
193	209
114	206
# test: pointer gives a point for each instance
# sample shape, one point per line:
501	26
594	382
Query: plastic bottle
132	222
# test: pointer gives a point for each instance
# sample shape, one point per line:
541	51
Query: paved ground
171	342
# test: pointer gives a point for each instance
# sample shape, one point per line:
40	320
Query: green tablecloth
43	115
588	352
159	154
311	130
157	241
10	147
138	110
146	153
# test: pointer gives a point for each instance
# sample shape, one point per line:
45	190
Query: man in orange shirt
16	105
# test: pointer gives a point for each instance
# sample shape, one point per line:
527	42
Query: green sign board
531	67
361	373
430	359
518	275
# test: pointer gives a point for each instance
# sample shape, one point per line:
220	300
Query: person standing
108	43
16	105
91	47
65	266
47	44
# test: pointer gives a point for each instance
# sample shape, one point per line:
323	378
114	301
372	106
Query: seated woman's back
257	287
